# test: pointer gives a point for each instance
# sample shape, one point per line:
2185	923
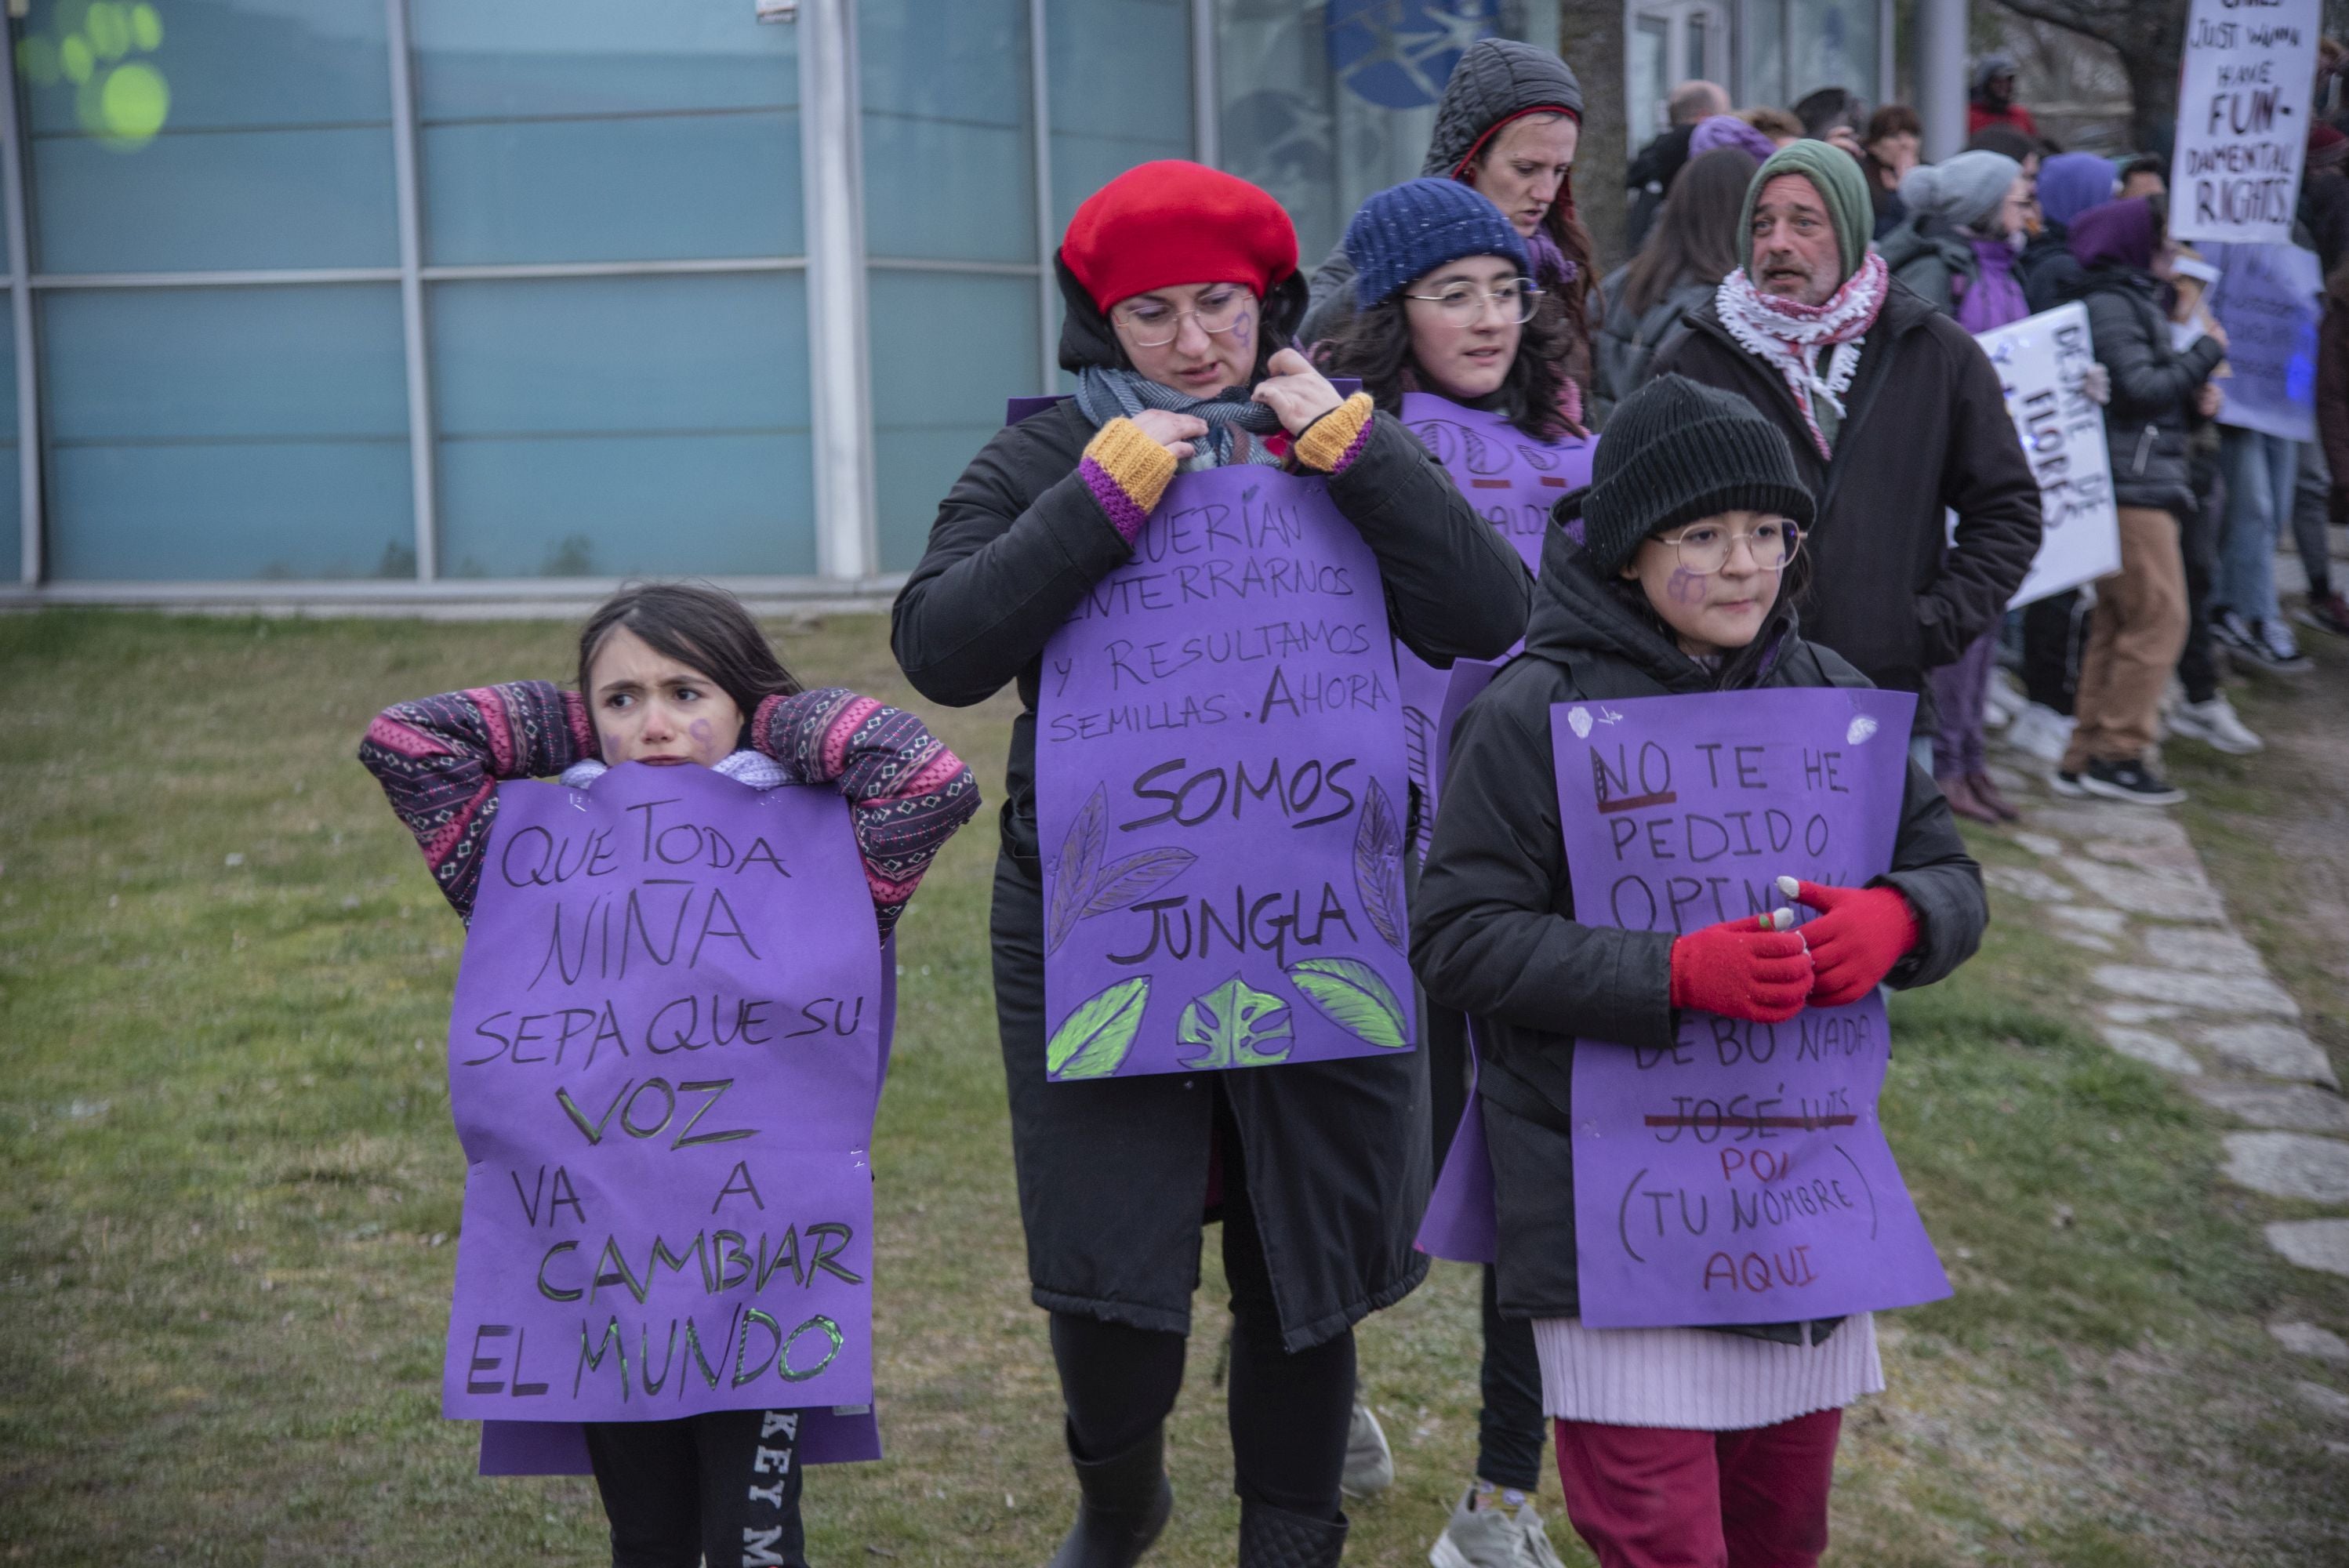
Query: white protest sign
2243	104
2267	299
2042	361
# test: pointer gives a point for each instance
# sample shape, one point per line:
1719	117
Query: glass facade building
397	298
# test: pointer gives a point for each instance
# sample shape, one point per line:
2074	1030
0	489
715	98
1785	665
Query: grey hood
1495	78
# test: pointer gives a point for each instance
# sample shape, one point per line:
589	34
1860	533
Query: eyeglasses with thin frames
1463	303
1706	547
1153	324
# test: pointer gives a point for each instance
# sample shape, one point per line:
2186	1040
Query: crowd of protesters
1792	464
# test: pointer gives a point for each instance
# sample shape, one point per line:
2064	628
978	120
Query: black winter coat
1929	254
1649	181
1493	928
1925	429
1628	341
2047	269
2151	416
1113	1174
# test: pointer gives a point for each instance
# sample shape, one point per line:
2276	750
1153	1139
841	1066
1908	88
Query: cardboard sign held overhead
2243	115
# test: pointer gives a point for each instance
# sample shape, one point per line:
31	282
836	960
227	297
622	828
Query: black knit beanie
1674	451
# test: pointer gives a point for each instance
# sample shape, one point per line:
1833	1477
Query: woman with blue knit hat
1684	1445
1450	335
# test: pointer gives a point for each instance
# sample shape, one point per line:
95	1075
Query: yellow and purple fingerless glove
1334	441
1127	472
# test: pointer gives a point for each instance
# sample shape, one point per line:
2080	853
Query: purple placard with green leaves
1740	1174
1220	793
1512	481
665	1054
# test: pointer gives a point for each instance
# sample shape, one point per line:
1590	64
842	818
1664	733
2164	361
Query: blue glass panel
949	172
274	147
1120	91
218	434
557	131
12	511
593	427
939	394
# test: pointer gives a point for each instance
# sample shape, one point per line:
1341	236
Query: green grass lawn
230	1194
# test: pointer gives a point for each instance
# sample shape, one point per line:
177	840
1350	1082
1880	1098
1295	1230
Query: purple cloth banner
665	1054
1220	794
1512	481
1739	1175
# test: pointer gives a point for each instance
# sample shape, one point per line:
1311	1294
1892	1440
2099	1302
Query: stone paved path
2179	987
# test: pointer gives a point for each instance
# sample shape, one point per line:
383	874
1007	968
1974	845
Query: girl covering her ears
1182	290
1681	1446
1451	334
674	674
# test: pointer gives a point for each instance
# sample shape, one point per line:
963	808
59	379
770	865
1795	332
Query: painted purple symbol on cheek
1686	587
1244	329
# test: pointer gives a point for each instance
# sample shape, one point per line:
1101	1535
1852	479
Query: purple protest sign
1740	1174
1512	481
665	1054
1220	791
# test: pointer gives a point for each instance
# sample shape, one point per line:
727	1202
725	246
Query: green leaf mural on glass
1093	1039
1353	996
1231	1022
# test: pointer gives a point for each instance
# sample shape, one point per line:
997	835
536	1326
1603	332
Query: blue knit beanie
1413	228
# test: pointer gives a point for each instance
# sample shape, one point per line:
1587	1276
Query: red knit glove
1860	933
1741	969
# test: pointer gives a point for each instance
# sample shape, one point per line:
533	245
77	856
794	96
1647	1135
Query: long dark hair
1696	234
704	628
1375	345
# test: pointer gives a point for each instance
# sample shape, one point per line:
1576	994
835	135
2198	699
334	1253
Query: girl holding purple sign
1181	294
1450	335
676	675
1680	1445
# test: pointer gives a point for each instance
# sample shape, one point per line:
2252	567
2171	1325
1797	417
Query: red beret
1170	222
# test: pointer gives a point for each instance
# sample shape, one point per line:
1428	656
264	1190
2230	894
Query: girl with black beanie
1674	1445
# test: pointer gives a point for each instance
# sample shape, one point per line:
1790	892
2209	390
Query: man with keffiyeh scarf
1895	415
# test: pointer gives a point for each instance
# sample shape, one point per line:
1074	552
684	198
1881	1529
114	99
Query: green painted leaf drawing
1377	866
1074	873
1354	997
1092	1040
1231	1022
1123	883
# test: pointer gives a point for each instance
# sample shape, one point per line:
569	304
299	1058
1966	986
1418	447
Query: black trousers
2198	528
1288	1412
2054	630
722	1486
1509	1428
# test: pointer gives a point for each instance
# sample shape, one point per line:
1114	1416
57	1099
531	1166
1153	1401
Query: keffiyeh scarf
1234	419
1790	338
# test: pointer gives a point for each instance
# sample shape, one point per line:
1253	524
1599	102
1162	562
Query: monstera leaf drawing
1126	882
1355	998
1544	458
1378	865
1231	1022
1073	876
1418	746
1092	1040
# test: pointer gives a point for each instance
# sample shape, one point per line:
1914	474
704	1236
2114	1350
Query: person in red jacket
1991	101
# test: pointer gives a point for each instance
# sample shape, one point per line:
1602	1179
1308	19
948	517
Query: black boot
1123	1503
1275	1538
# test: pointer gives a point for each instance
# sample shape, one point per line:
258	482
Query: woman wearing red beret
1181	294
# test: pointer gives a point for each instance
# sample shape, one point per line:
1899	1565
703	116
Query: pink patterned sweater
441	759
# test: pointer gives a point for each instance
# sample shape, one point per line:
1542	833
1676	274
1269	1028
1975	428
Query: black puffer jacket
1495	78
1113	1174
1628	340
2151	416
1926	428
2047	269
1493	927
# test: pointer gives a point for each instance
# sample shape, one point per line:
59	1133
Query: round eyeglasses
1706	547
1155	324
1462	303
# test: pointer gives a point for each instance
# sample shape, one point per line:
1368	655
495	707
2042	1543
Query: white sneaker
1370	1463
1493	1538
2002	702
2040	731
2216	725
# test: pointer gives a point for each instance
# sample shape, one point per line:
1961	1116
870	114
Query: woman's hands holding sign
1761	971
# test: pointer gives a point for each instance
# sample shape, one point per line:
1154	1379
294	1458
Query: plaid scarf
1104	395
1788	337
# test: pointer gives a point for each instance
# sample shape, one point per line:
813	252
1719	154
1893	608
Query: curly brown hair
1375	347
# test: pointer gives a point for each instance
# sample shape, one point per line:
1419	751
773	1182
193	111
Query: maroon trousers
1657	1497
